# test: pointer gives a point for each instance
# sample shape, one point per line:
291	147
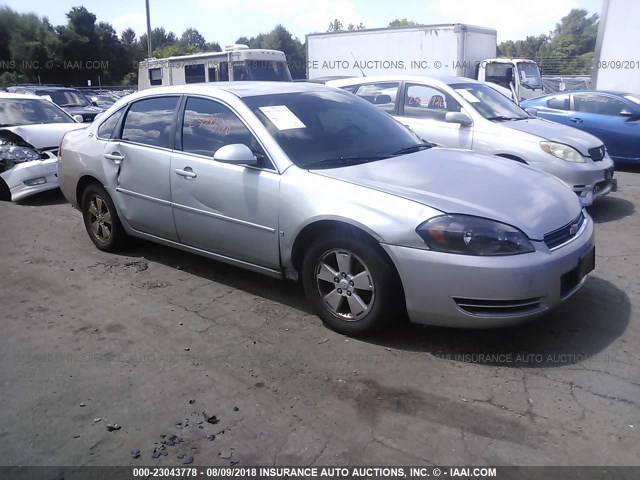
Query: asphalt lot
153	337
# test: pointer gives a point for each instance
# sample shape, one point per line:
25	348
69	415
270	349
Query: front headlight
468	235
560	150
11	154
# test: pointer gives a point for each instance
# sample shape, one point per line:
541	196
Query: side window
599	104
149	122
224	72
106	130
559	103
194	73
240	73
209	125
382	95
421	101
155	76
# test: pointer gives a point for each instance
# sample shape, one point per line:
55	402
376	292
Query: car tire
5	191
101	219
366	296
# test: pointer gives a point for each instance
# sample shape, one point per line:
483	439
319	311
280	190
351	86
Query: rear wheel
101	219
351	285
5	192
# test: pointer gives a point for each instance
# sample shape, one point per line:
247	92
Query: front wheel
352	287
101	219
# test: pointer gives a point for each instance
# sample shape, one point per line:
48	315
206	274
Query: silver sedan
308	182
462	113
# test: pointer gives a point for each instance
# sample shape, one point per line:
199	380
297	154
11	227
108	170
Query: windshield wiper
500	118
326	162
412	149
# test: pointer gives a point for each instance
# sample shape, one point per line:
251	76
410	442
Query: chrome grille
597	154
564	234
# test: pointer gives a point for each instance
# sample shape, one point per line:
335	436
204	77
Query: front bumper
590	180
28	178
483	292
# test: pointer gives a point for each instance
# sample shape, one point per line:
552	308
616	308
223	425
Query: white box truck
448	49
617	55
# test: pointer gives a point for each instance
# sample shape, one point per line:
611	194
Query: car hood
43	136
461	181
556	132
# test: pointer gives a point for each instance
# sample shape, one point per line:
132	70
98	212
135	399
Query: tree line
32	50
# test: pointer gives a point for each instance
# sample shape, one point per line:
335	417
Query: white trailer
237	62
447	49
617	55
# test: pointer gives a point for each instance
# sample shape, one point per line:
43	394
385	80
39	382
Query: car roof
240	89
440	80
20	96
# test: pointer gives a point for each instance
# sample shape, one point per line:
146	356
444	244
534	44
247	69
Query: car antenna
359	67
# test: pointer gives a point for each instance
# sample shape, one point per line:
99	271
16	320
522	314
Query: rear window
107	129
149	122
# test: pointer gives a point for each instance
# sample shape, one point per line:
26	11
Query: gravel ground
150	339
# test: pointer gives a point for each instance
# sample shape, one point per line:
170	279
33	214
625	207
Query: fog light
35	181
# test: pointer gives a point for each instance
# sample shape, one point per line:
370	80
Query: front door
230	210
424	108
599	114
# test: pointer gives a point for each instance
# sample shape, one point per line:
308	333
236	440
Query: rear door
140	159
230	210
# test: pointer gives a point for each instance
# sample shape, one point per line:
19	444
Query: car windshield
331	127
65	98
529	74
489	103
268	70
16	112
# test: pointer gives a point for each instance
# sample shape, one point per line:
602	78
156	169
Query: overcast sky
224	21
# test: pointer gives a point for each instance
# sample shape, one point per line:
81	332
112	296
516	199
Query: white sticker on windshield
467	95
282	118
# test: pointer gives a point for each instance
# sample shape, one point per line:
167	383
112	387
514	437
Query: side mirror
532	111
236	154
458	117
78	118
95	104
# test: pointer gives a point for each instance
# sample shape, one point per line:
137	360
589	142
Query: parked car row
304	181
73	101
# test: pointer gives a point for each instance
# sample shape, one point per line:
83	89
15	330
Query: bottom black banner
329	473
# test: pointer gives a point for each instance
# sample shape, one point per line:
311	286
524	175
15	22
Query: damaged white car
30	131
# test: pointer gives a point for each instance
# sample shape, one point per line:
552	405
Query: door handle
116	157
186	172
575	120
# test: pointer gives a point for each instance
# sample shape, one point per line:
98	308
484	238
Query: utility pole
149	50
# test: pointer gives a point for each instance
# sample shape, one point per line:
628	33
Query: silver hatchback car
463	113
303	181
